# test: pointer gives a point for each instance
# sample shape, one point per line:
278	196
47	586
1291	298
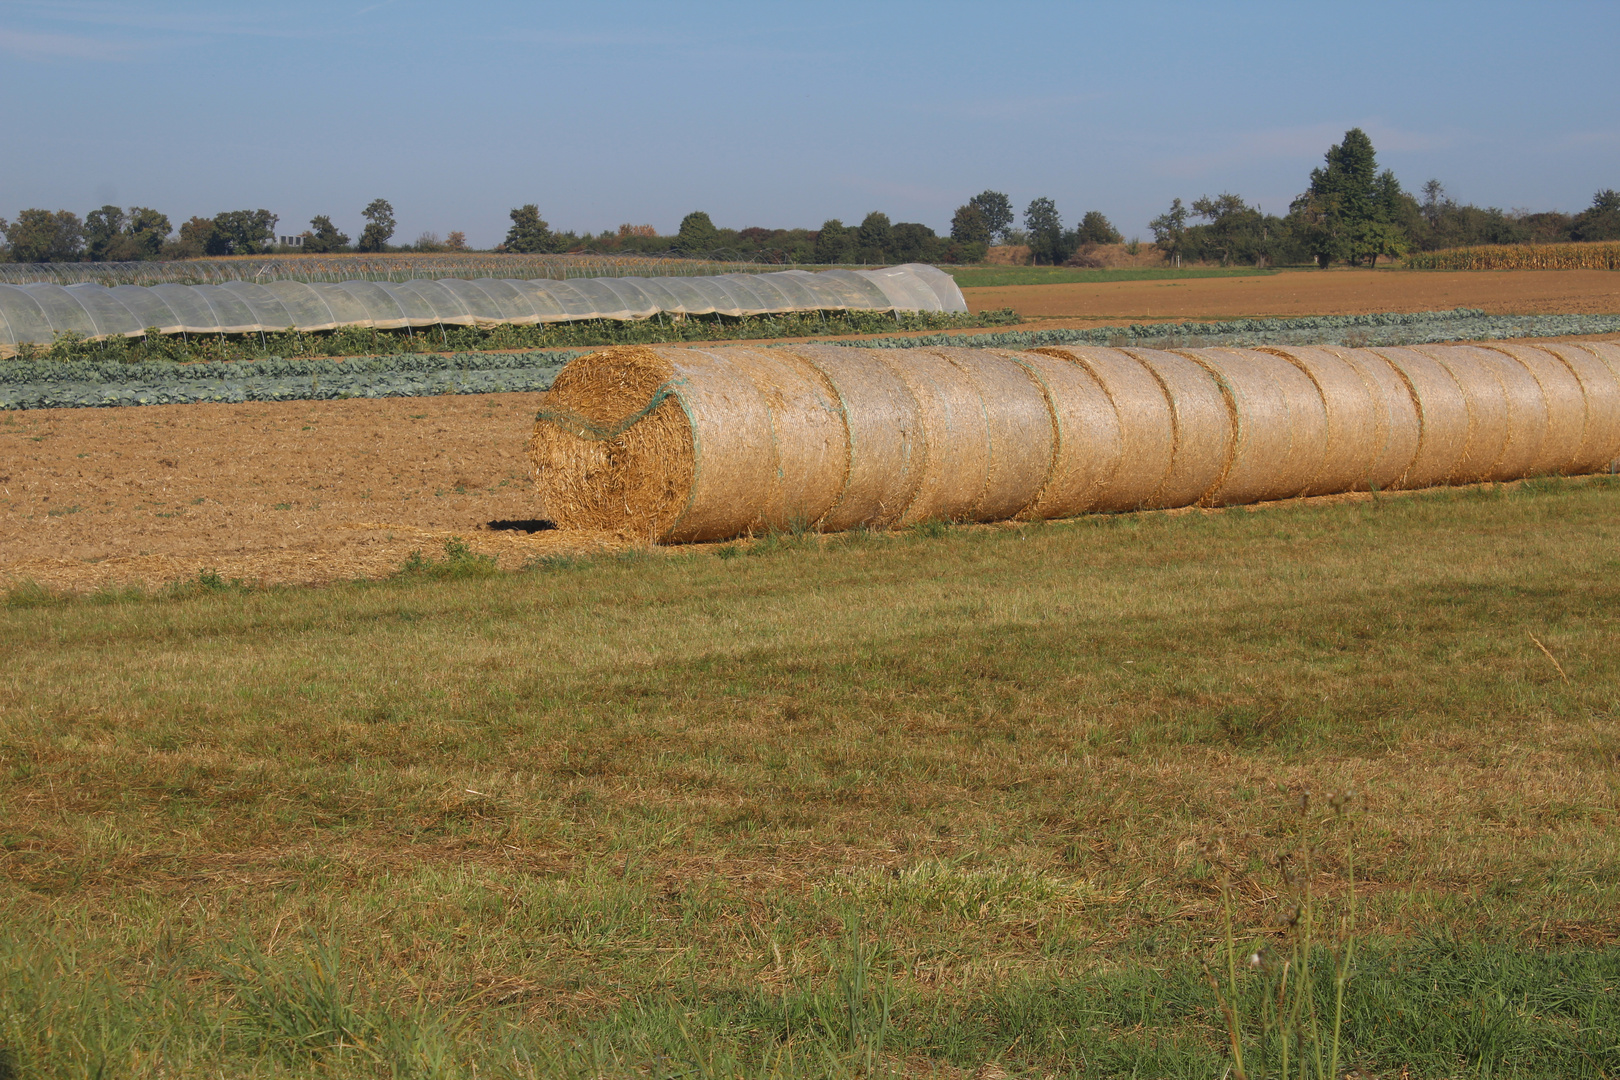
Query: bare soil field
265	491
1295	293
313	492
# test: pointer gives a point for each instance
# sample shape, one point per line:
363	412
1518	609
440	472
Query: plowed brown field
321	491
1294	293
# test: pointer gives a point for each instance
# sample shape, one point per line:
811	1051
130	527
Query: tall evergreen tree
1348	201
529	232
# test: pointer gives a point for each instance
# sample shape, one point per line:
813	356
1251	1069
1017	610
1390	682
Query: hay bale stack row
676	444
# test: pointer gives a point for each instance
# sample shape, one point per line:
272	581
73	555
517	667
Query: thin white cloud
31	46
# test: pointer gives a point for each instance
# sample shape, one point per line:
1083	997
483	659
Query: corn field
336	268
1599	255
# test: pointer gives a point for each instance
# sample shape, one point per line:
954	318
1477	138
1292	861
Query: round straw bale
681	445
1204	425
1442	417
1491	426
1600	392
800	474
1564	402
1353	438
1019	427
1281	426
1089	446
887	449
1147	425
956	466
1396	429
592	468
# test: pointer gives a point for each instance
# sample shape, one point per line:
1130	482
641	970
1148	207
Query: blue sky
786	114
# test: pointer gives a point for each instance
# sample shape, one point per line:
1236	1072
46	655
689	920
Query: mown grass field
943	802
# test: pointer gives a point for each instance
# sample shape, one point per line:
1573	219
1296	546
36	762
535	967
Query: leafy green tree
1170	232
872	238
910	242
379	215
1601	221
42	236
697	235
969	226
146	230
323	237
102	228
1370	239
835	243
529	232
195	237
1044	229
1097	229
997	210
242	232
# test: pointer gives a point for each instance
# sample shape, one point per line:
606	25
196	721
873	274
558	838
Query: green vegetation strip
83	374
984	277
1395	328
858	805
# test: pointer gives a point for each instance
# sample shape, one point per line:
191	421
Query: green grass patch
866	804
985	276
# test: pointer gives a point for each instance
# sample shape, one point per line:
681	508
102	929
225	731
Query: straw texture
685	444
1353	439
1147	426
1564	403
1281	426
1202	422
1596	365
883	423
1020	432
1442	417
1089	445
591	474
1397	428
956	464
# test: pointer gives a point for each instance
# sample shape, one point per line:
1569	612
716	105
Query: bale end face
612	445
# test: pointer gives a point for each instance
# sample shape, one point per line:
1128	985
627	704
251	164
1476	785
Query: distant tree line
111	234
1350	212
875	240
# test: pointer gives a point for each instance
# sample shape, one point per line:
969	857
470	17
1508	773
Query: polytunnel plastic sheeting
148	308
657	295
861	290
603	302
62	311
110	318
37	313
634	301
903	289
693	301
513	305
478	308
757	298
418	311
268	309
382	310
543	299
346	308
726	299
445	305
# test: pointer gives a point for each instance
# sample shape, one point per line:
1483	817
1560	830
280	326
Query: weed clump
460	561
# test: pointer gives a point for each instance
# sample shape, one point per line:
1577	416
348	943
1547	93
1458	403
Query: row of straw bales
677	444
